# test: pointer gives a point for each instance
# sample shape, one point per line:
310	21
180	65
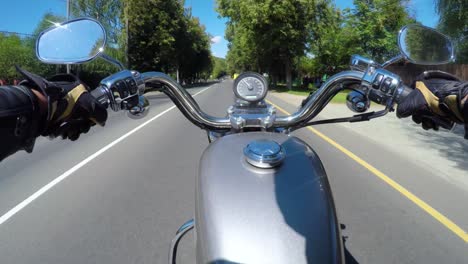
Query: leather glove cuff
20	117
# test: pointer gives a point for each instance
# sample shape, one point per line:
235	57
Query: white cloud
216	39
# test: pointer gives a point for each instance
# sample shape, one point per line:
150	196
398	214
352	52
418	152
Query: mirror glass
74	41
426	46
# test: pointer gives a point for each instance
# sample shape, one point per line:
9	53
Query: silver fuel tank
246	214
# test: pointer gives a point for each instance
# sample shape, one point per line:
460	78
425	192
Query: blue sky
23	15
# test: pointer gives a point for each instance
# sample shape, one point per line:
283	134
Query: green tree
334	40
219	67
166	37
192	46
108	12
454	22
376	24
13	51
152	26
369	29
21	51
267	35
242	54
47	21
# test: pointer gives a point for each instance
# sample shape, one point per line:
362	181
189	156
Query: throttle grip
404	92
101	95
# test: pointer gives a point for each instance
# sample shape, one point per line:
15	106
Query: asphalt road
123	202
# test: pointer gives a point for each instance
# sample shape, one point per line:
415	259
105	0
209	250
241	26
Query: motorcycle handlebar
191	110
187	105
320	99
185	102
101	95
405	91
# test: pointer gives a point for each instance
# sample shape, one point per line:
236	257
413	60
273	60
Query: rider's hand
436	102
71	109
75	112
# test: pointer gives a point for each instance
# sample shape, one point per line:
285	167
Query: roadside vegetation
302	91
157	35
288	40
296	38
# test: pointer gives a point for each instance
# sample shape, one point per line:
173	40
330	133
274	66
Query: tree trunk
274	80
288	75
127	32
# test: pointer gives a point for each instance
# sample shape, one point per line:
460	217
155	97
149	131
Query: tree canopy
164	36
267	35
158	35
107	12
284	38
377	23
454	22
15	50
309	36
219	67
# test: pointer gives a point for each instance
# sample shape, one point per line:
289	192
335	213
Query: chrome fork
187	226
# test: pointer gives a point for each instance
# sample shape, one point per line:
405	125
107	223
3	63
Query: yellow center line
423	205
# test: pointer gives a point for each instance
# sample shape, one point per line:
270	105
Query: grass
340	98
299	90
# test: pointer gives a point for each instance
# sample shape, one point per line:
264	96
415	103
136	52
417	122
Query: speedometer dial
251	87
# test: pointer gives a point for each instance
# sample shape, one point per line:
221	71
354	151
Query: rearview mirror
75	41
425	46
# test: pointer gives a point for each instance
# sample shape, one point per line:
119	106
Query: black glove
438	100
71	109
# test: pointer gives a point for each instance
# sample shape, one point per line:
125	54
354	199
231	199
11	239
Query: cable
16	33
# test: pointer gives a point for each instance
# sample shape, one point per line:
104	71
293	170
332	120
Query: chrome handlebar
187	105
320	99
185	102
192	111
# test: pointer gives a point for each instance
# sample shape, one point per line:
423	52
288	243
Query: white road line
69	172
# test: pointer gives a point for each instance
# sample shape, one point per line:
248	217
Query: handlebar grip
405	91
100	94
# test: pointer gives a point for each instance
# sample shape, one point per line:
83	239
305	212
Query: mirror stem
113	61
393	60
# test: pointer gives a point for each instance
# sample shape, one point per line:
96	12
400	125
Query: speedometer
250	87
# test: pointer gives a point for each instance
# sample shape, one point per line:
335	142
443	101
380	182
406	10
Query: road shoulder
443	152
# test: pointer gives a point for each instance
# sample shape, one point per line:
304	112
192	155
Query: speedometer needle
248	85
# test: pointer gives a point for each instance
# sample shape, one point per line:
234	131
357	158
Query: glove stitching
72	98
431	99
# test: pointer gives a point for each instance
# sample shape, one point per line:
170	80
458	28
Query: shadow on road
451	145
349	258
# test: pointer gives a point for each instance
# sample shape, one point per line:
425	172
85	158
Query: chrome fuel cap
264	153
